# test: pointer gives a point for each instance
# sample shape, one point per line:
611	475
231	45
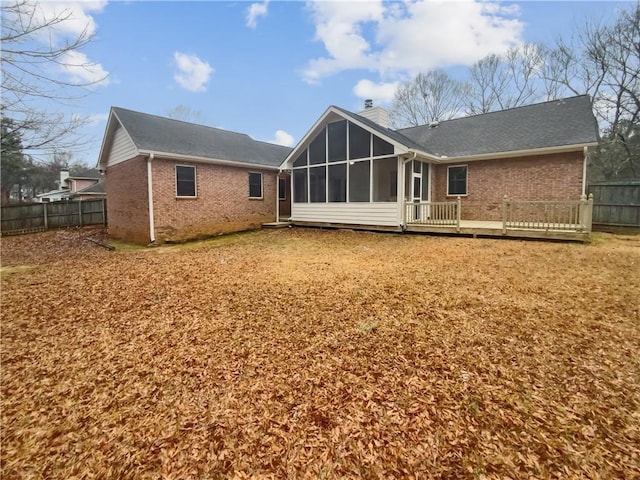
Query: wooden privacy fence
616	203
36	217
574	216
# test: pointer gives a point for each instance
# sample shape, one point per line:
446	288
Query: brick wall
222	204
127	205
542	177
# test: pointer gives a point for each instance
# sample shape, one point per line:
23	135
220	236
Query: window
300	186
185	181
380	147
338	182
255	185
301	161
282	189
337	141
345	163
359	181
318	149
318	184
359	142
385	180
457	180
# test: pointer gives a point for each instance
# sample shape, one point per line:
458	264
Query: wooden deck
495	229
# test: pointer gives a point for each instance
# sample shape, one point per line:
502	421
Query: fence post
504	215
46	217
104	212
80	212
589	214
458	208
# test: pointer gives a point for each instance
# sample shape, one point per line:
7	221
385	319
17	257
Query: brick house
350	169
168	180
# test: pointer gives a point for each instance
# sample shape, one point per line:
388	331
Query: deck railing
574	216
433	213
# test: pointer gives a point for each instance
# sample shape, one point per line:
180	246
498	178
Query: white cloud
254	11
63	23
193	74
379	92
283	138
98	118
81	70
405	38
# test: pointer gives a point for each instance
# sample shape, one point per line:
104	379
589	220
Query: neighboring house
169	180
352	170
87	184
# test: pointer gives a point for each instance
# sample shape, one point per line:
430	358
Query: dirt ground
304	353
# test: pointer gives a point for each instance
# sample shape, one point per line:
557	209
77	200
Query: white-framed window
185	181
255	185
345	163
457	180
282	189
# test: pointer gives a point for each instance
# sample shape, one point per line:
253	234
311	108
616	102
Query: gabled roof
566	124
166	136
557	123
95	189
87	174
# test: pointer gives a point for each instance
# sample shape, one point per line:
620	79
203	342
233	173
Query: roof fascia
108	138
400	148
214	161
516	153
293	154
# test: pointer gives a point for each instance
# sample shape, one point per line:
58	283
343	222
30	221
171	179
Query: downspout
584	170
278	196
152	227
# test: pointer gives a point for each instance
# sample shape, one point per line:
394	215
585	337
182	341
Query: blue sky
269	69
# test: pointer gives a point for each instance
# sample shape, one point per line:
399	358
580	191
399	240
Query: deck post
504	215
46	219
586	212
458	207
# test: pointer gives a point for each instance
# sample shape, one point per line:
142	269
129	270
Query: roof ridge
182	121
498	111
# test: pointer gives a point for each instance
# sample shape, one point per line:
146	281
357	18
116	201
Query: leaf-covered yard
305	353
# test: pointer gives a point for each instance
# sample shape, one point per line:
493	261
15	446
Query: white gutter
217	161
152	227
513	153
278	197
584	170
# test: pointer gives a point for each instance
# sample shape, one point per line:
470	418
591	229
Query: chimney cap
368	103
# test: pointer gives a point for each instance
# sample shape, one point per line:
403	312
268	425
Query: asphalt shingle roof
95	188
568	121
160	134
88	173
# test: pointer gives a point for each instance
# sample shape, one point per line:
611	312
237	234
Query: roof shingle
568	121
166	135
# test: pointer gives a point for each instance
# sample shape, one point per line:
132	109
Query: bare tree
604	62
506	81
43	70
186	114
428	97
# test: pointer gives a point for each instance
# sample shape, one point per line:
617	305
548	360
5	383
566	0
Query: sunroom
343	173
462	176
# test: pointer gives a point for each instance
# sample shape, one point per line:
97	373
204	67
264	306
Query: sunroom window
341	165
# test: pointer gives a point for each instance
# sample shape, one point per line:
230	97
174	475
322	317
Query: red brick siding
542	177
222	204
128	205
